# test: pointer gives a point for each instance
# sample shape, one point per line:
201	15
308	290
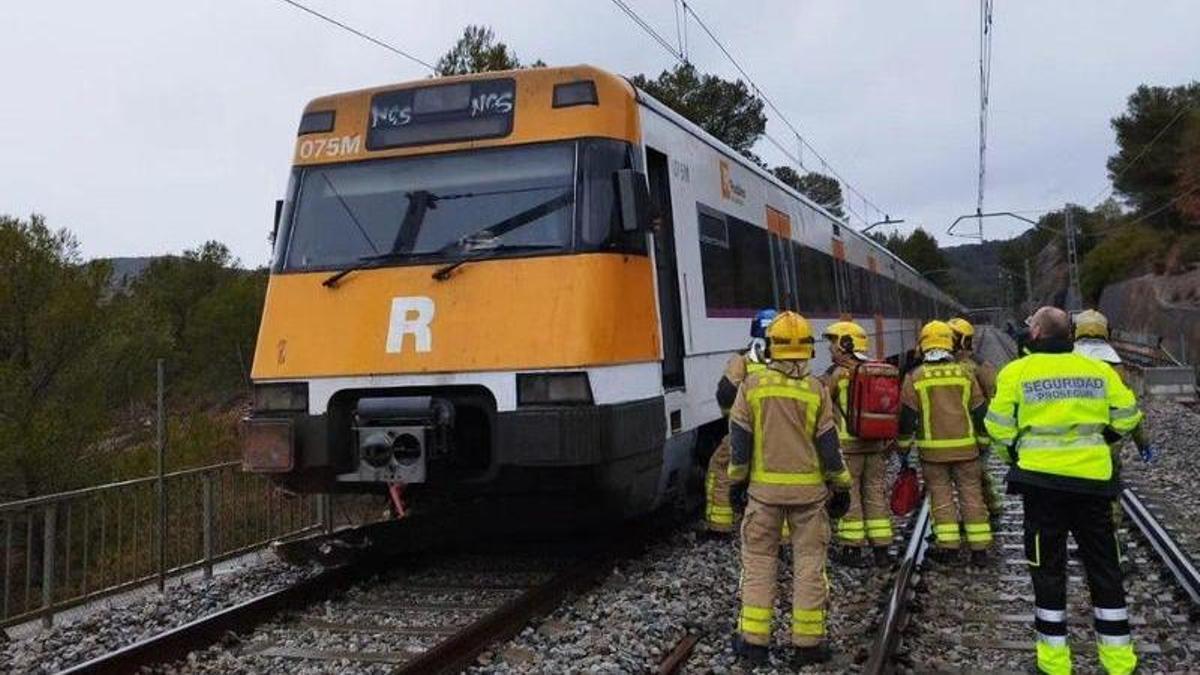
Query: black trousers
1049	516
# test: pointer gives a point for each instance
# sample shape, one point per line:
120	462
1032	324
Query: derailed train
528	283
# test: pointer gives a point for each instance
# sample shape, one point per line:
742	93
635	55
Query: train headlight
281	397
554	389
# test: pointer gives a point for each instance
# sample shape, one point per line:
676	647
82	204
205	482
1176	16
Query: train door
780	228
658	173
841	277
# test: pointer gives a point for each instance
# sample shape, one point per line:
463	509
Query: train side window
752	258
735	261
600	226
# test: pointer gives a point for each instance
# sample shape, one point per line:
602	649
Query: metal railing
64	549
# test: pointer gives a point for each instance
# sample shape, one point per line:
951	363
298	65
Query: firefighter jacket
783	435
736	369
1053	416
985	373
837	380
941	404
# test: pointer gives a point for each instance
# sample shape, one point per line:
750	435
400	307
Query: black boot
756	655
946	556
882	557
849	556
980	558
807	656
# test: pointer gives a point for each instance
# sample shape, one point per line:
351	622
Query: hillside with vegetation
78	345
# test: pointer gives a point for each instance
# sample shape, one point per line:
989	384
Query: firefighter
869	518
1052	419
941	404
985	372
718	511
785	444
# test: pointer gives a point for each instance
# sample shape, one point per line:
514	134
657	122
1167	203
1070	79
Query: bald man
1052	419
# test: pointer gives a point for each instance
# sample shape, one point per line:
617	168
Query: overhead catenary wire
780	114
369	38
662	41
680	56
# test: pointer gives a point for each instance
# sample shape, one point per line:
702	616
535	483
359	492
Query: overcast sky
149	127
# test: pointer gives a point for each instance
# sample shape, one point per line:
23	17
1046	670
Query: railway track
957	618
431	615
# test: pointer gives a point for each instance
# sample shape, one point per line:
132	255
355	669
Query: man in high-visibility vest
1052	419
985	372
869	519
718	511
941	404
785	443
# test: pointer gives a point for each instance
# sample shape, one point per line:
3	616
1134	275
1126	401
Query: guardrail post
206	480
162	487
48	527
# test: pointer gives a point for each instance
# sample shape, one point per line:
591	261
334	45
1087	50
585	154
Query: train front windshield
517	201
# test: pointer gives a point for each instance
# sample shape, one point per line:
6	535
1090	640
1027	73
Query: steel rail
1181	566
887	638
458	651
176	643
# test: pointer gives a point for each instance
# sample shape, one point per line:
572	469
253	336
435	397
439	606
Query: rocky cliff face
1164	306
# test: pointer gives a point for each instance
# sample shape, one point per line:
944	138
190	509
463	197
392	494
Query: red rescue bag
874	401
906	492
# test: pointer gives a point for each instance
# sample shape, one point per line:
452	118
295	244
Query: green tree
727	110
822	189
52	370
478	51
1147	175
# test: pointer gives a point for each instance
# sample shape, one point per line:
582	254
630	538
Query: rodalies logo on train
731	189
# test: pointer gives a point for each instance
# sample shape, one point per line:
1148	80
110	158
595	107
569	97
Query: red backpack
874	395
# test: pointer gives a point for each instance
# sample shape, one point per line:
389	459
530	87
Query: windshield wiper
443	273
366	261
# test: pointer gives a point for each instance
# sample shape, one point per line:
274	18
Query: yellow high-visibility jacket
1050	416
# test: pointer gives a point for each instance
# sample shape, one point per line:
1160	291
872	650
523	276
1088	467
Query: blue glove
1148	453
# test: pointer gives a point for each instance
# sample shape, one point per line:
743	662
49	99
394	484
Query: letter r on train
410	316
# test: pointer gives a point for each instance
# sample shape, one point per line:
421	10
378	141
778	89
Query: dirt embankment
1166	306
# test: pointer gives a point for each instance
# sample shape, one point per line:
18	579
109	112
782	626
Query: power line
681	57
782	117
1128	165
666	44
374	40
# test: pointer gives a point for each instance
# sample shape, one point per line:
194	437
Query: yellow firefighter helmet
790	337
936	335
848	336
964	332
1091	324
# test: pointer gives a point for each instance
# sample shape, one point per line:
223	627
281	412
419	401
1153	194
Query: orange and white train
528	283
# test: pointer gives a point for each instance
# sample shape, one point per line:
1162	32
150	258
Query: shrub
1121	255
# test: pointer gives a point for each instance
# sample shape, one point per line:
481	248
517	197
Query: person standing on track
1052	419
718	509
985	373
785	443
868	518
941	404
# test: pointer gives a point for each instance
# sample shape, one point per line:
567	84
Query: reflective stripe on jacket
943	394
785	412
1052	409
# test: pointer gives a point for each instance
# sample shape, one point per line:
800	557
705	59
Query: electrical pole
1074	298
